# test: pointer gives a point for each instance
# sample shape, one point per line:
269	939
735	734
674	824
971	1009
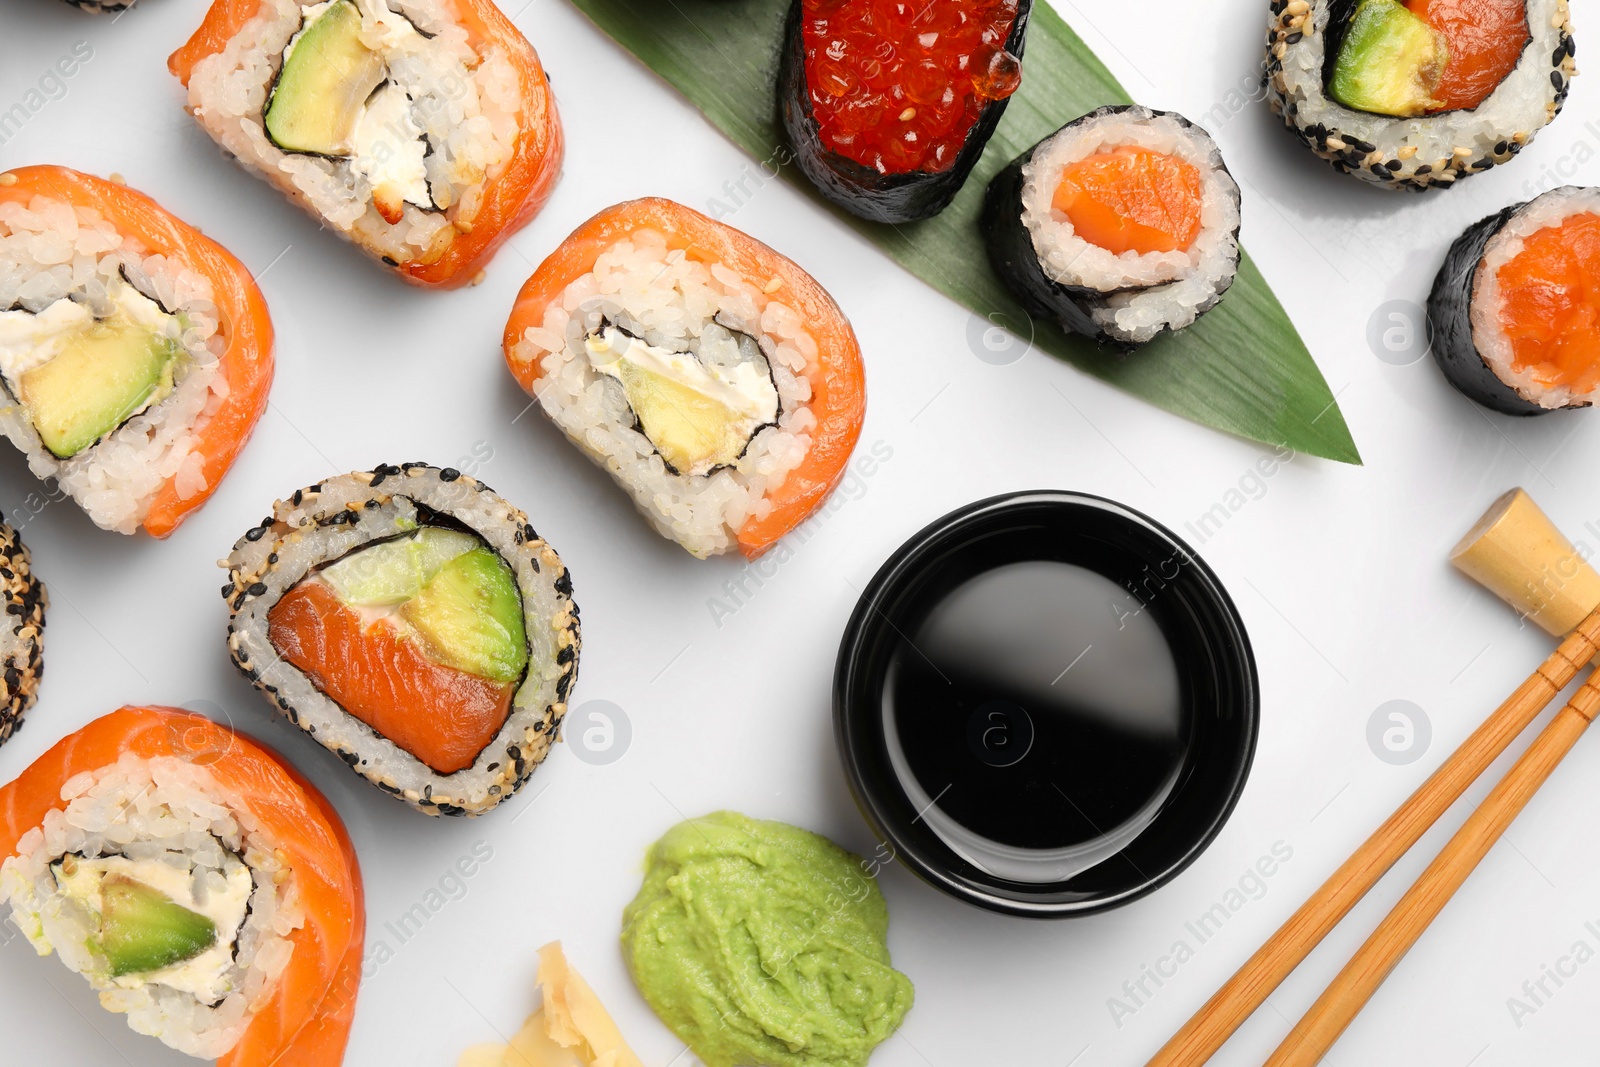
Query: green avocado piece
471	616
101	377
1391	62
393	572
692	431
327	76
144	930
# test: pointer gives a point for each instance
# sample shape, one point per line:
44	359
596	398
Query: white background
1339	572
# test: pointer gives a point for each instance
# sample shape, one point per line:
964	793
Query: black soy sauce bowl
1210	649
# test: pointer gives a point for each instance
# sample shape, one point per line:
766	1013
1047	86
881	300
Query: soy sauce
1036	705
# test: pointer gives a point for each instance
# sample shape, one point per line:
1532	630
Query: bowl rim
1233	649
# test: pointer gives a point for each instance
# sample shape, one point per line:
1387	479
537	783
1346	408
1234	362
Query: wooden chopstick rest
1516	552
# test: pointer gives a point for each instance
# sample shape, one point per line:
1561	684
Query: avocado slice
102	376
393	572
693	432
1391	62
470	615
326	78
144	930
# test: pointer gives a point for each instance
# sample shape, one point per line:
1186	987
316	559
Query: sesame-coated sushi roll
135	353
889	104
713	378
202	887
1415	94
22	632
1515	309
1122	225
413	623
422	130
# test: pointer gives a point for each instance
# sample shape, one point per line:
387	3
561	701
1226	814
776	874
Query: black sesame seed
1294	38
1393	165
256	533
449	474
1555	79
258	589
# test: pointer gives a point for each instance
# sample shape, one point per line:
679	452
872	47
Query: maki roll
715	379
22	635
101	7
1418	93
135	353
1515	309
413	623
422	130
1120	226
889	103
201	886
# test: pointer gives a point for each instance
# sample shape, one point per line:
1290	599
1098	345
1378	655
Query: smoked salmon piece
1486	39
1132	199
440	715
1550	308
304	1018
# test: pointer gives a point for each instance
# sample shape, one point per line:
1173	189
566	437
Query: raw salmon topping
1550	308
897	84
384	676
1486	39
1130	199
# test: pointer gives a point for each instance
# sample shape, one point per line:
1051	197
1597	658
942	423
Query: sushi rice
22	634
171	812
672	301
52	251
464	104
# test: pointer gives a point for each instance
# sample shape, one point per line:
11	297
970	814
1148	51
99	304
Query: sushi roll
22	635
1122	225
1414	94
135	353
199	884
101	7
1515	309
888	104
413	623
713	378
423	131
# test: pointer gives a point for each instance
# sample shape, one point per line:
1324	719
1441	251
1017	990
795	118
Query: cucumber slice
395	571
144	930
470	615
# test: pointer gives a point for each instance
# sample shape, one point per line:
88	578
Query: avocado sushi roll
22	634
1515	309
1122	225
197	883
1415	94
423	131
135	353
889	105
714	379
413	623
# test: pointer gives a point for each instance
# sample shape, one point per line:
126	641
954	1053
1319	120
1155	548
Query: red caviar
1550	309
1486	39
897	84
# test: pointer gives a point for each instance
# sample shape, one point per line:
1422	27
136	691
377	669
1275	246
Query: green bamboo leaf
1242	368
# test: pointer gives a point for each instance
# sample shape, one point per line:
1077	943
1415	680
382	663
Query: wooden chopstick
1344	998
1226	1011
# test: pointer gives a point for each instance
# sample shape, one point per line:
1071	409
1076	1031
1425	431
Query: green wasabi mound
763	945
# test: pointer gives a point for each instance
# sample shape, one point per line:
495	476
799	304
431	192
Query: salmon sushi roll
1122	225
135	353
415	625
1418	94
889	104
423	131
715	380
1515	310
203	888
22	634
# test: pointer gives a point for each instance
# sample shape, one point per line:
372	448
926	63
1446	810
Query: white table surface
1339	572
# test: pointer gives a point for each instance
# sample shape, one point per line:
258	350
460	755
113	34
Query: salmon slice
1132	199
1486	39
1550	308
305	1019
383	677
